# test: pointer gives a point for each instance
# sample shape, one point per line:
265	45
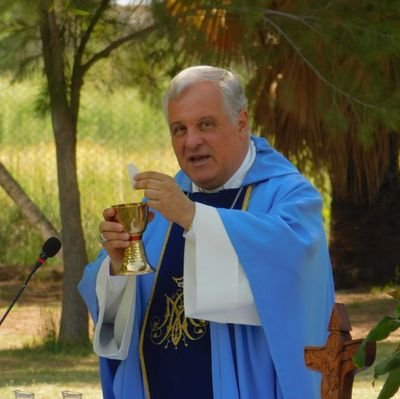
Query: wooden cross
334	360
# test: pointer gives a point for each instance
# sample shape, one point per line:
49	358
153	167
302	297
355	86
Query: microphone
49	249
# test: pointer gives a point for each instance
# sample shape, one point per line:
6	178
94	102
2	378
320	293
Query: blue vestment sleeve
87	289
87	285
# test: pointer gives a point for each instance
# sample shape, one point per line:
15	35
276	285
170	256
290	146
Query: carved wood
334	360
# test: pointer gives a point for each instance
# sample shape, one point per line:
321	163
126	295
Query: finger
150	179
111	226
109	214
116	244
149	175
144	184
109	236
154	193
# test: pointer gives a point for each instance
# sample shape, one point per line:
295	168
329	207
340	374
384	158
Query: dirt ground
36	310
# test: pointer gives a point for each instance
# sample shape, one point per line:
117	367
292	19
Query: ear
243	122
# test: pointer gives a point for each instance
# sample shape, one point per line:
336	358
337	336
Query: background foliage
116	127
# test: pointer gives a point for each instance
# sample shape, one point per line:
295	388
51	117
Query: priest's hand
164	195
114	239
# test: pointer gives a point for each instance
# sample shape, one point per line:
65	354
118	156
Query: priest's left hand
164	195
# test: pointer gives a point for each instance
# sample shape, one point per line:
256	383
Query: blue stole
175	350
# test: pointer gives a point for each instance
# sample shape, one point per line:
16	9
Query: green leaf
387	365
391	385
79	12
383	329
359	357
378	333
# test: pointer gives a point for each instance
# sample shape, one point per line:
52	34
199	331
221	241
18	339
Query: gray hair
229	84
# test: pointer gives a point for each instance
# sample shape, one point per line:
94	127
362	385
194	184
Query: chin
205	182
207	185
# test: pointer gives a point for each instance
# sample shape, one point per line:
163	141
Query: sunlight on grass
103	181
47	373
365	390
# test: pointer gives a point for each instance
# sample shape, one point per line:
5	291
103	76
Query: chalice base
134	261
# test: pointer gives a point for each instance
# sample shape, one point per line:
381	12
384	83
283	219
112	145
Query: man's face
208	146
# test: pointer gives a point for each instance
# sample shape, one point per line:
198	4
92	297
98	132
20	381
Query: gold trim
247	196
141	356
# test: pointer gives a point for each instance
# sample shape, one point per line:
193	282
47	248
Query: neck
237	178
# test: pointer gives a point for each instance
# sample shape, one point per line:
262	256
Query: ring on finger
102	238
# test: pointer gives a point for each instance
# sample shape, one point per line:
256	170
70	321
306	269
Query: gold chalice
133	217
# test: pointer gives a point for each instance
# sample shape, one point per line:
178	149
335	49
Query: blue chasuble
176	351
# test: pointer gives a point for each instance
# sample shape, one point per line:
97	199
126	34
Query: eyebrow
207	117
178	123
174	124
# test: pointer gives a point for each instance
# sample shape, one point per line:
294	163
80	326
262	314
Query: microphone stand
38	263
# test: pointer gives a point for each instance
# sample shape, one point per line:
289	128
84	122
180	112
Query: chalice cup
133	216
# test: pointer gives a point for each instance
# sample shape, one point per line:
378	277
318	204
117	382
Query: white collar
237	178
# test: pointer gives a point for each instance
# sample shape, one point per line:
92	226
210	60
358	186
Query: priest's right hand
114	239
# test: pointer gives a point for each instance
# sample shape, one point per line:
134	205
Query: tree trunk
25	205
74	315
365	240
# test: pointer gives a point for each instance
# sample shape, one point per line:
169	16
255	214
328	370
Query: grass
114	128
29	359
47	374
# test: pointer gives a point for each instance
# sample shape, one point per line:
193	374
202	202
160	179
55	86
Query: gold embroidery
175	327
246	202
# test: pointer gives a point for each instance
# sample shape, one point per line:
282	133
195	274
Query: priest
243	279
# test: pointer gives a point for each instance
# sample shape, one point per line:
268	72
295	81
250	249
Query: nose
193	139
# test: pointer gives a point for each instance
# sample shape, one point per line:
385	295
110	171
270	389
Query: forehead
196	101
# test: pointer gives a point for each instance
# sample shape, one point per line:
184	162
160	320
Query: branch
86	36
25	205
116	44
303	19
77	70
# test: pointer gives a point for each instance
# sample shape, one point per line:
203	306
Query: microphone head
51	247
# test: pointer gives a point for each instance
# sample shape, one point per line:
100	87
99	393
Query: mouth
198	160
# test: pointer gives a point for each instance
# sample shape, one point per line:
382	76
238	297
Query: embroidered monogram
175	328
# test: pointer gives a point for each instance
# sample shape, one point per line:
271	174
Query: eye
178	130
206	124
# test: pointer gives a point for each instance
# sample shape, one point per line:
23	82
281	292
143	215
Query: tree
323	84
28	208
66	38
